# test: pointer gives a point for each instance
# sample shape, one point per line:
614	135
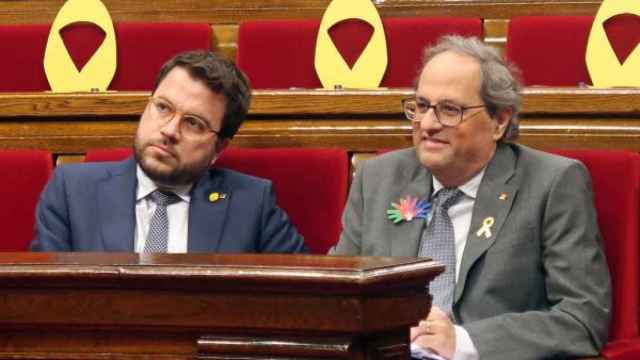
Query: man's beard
182	175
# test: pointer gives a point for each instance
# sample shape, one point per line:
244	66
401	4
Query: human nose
428	119
171	128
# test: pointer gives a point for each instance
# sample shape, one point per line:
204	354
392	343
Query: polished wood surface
358	121
130	306
236	11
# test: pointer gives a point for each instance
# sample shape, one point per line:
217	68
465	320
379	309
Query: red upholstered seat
280	54
24	175
550	50
310	184
141	50
615	176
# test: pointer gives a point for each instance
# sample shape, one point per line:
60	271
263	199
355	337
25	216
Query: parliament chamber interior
308	141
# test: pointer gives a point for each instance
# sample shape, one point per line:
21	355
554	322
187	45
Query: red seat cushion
310	185
280	54
24	175
615	176
141	51
550	50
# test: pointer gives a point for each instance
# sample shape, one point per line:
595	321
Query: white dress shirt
177	213
460	214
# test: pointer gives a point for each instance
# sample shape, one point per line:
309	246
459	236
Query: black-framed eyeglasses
190	125
447	113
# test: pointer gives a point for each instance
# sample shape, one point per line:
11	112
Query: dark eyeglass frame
436	111
153	101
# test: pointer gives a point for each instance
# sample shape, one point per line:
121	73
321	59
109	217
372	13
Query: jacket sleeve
278	234
52	229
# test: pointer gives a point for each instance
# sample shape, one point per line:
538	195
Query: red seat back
310	184
280	54
141	50
24	175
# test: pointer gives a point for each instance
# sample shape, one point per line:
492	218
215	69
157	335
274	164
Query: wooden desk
129	306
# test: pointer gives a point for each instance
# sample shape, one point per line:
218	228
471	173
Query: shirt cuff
465	350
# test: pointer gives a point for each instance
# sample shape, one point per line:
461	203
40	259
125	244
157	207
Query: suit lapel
492	205
117	199
406	235
206	218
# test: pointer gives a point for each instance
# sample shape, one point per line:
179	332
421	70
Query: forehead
450	76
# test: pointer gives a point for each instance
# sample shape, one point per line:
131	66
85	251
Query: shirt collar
146	186
470	188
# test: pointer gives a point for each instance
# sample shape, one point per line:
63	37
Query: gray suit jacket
91	207
539	286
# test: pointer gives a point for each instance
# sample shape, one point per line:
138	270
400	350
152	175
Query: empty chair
280	54
310	185
141	50
24	175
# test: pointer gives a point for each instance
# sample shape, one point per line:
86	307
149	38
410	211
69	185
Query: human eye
195	124
422	106
163	107
449	109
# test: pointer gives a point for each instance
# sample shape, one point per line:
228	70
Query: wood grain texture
236	11
186	306
358	121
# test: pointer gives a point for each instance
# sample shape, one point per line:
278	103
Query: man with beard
168	198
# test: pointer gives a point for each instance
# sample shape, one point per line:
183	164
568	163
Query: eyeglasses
447	113
190	125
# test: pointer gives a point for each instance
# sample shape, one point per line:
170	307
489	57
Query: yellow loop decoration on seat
368	70
603	65
62	74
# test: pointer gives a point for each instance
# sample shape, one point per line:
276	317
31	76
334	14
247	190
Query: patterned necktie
438	243
158	236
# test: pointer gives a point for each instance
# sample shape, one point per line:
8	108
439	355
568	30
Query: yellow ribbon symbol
485	229
603	65
62	74
368	70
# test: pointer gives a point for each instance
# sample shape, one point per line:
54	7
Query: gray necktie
438	243
158	235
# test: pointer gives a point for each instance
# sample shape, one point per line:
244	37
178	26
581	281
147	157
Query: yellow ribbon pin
485	229
215	196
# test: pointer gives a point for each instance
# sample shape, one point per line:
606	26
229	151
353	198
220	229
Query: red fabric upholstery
141	51
615	176
280	54
550	50
24	175
310	185
627	349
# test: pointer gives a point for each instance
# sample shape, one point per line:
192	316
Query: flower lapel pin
407	209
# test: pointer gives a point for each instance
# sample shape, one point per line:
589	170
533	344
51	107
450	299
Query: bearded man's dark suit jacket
538	287
91	207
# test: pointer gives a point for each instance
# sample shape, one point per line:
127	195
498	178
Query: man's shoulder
403	158
238	179
529	157
93	170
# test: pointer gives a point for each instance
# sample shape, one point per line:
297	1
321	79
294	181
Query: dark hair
500	87
222	77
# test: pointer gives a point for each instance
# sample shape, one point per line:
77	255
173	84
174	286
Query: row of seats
312	184
550	50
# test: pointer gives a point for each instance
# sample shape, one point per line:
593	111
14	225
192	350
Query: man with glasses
167	197
515	228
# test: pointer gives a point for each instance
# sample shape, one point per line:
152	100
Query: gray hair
499	84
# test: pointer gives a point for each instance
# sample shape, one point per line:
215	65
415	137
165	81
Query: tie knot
447	197
164	198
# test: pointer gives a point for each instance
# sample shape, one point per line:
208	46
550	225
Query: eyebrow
199	116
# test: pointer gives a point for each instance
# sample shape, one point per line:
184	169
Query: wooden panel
235	11
495	32
358	121
188	306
